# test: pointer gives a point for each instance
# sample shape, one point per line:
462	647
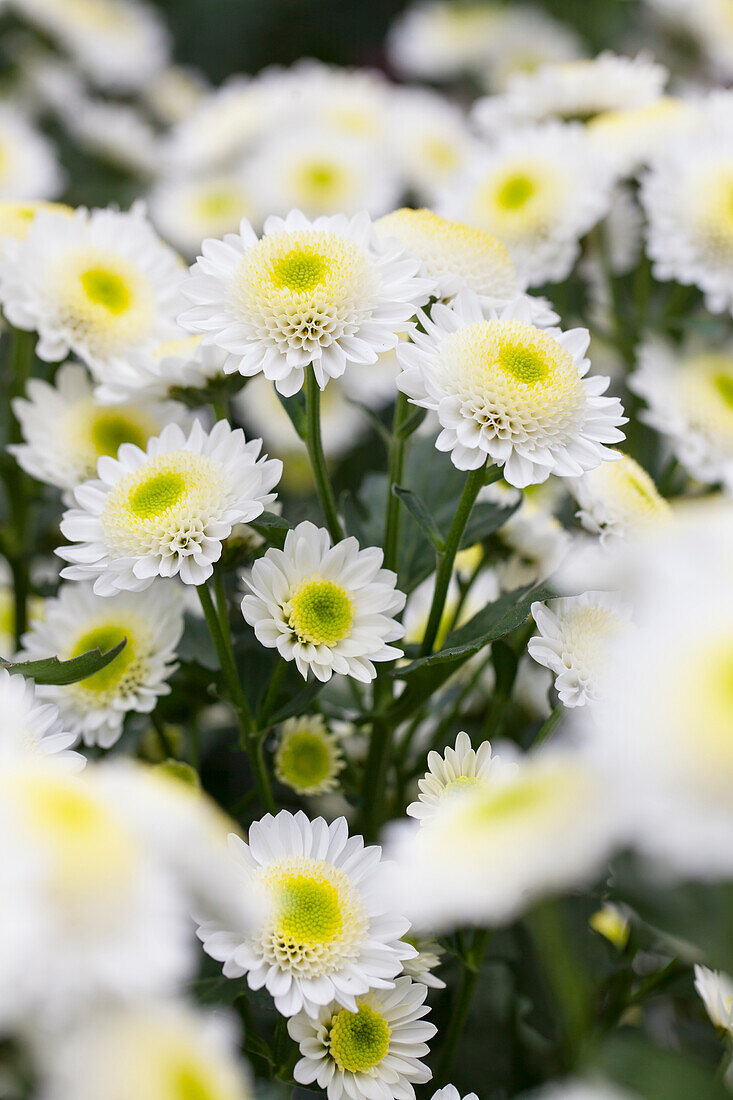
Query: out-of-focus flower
617	498
328	608
716	993
456	769
16	218
689	394
508	392
114	132
174	92
308	758
77	621
165	511
708	22
458	609
536	541
420	969
186	211
539	190
326	932
429	140
28	166
373	1051
633	136
181	361
326	293
610	922
574	641
32	728
441	39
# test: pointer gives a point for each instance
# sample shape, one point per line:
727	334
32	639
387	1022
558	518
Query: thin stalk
374	788
460	1010
165	742
550	724
317	459
270	696
19	364
396	467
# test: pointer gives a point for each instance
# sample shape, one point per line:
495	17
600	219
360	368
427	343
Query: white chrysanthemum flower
708	22
174	92
617	498
428	958
539	190
78	621
536	541
120	44
716	993
97	283
328	608
187	211
689	394
574	641
321	172
114	132
456	769
525	39
510	393
308	757
179	362
441	39
165	511
150	1051
690	232
352	102
66	431
28	166
633	136
372	1051
326	932
450	1092
16	218
31	727
429	138
325	293
488	851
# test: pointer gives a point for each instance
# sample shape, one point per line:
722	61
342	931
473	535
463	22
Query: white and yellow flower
441	39
456	769
428	959
328	608
28	166
16	218
165	511
31	727
373	1050
509	392
716	993
326	932
633	136
308	757
324	293
181	361
429	139
187	210
617	498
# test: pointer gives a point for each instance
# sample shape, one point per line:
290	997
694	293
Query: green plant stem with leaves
314	443
470	968
396	468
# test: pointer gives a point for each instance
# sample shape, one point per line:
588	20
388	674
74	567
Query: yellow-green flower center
105	638
523	363
107	289
723	383
304	760
157	494
320	612
515	191
509	802
359	1040
308	910
110	430
299	270
190	1082
320	179
220	204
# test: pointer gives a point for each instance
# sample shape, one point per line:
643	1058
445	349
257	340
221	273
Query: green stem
317	458
271	692
461	1008
475	480
165	741
396	466
550	724
19	364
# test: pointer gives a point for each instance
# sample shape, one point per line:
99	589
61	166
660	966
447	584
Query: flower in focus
28	166
165	511
32	728
373	1050
187	211
421	967
308	757
78	621
716	993
326	932
689	394
617	498
328	608
456	769
325	293
573	642
509	392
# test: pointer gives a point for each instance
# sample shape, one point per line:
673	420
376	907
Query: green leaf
419	510
272	527
295	408
297	704
50	670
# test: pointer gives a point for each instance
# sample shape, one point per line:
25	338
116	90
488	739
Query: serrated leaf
295	408
419	510
50	670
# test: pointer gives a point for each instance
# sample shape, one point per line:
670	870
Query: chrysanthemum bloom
16	218
327	932
328	608
617	498
372	1051
716	993
162	1049
689	394
440	40
456	769
28	168
450	1092
430	140
66	431
165	511
188	210
575	636
31	727
428	958
180	361
78	621
539	190
630	138
308	758
324	293
510	393
97	283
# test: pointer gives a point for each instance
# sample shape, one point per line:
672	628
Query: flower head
165	511
28	165
372	1050
507	391
456	769
328	608
428	959
716	993
180	361
32	728
430	140
618	497
308	757
324	293
188	210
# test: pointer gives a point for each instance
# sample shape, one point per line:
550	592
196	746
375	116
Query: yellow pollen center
320	176
509	802
106	289
524	364
220	204
110	430
320	612
723	383
299	271
308	910
189	1082
157	494
105	638
305	760
514	192
359	1040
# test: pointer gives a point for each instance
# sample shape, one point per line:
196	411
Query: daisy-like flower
689	394
352	102
165	511
429	138
179	362
635	135
114	132
328	608
525	39
186	211
97	283
428	958
28	166
66	431
456	769
716	993
617	498
326	931
31	727
441	39
539	190
371	1052
308	758
509	392
575	635
78	621
450	1092
161	1049
174	92
324	293
16	218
